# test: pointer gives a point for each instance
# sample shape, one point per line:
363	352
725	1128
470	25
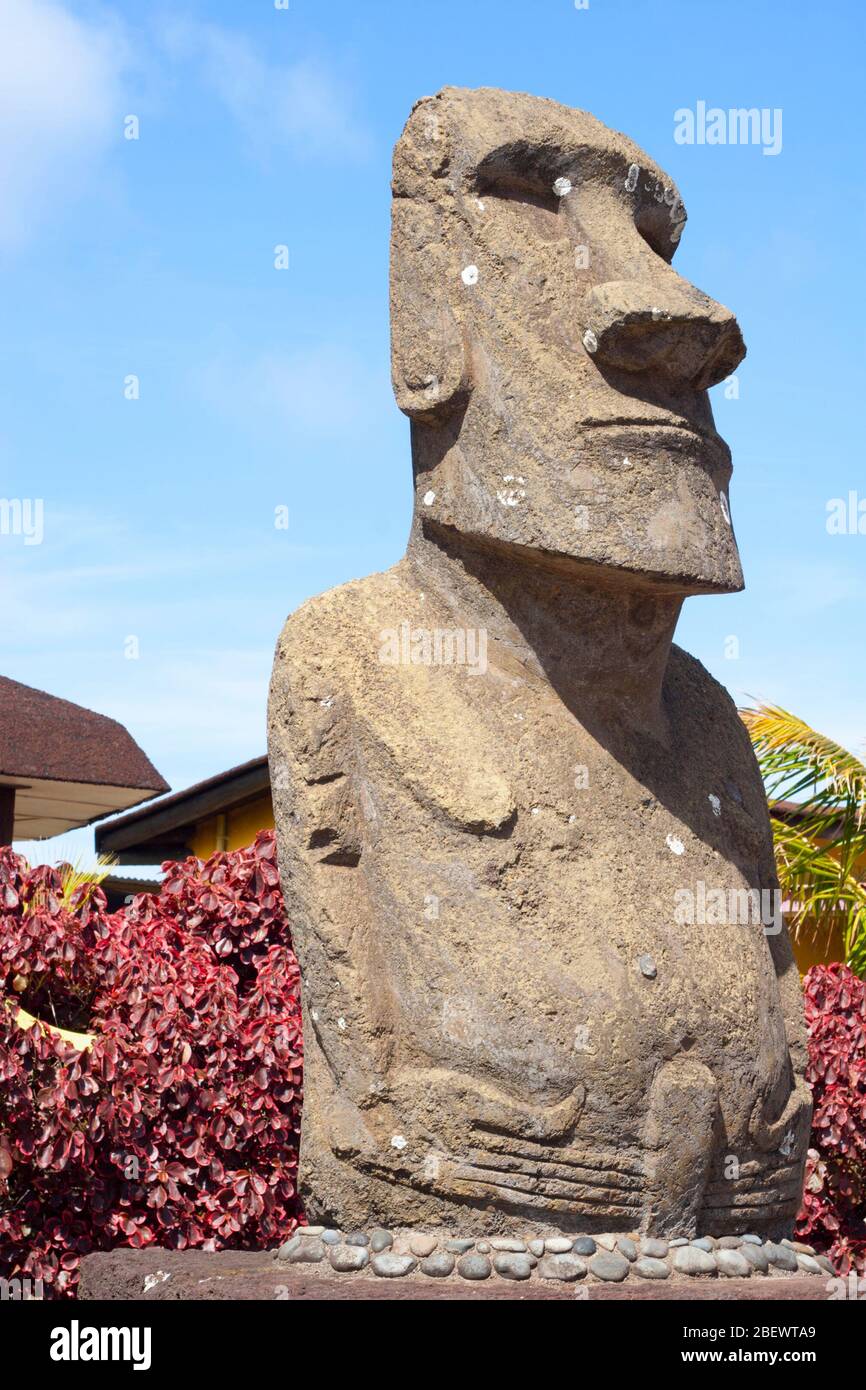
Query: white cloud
299	105
59	87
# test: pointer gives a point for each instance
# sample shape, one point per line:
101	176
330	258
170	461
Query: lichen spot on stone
715	803
632	178
432	1166
674	844
590	342
429	498
562	188
726	511
511	496
341	1024
398	1142
469	275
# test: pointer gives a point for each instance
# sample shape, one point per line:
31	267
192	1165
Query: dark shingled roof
163	829
43	737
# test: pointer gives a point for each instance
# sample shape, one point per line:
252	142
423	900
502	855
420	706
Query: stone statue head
554	365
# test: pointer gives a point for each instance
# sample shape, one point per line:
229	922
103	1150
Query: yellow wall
820	946
242	824
816	947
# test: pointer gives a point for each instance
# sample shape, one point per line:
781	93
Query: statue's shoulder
324	662
335	624
344	680
703	706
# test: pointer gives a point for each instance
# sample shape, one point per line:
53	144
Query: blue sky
261	388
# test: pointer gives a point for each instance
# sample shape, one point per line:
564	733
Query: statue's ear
429	362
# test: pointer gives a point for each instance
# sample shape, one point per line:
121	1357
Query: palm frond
820	855
797	759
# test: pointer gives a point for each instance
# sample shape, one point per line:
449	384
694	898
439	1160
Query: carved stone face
554	365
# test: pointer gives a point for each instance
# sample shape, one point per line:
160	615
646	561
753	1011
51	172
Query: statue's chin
647	569
655	516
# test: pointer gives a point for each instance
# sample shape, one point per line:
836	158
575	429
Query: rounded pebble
826	1265
514	1247
422	1245
755	1256
751	1239
536	1247
310	1230
309	1252
512	1265
678	1243
732	1264
332	1238
474	1267
345	1259
649	1268
780	1257
584	1245
610	1266
483	1247
381	1240
557	1245
357	1238
438	1265
607	1241
653	1248
286	1250
565	1268
626	1246
693	1260
729	1243
390	1266
459	1247
809	1264
704	1243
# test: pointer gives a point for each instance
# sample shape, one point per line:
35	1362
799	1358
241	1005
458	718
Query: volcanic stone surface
523	837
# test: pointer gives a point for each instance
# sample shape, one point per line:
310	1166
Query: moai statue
523	837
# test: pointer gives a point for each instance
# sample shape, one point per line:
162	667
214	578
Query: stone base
161	1275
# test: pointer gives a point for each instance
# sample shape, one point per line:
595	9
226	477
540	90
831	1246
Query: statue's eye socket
520	189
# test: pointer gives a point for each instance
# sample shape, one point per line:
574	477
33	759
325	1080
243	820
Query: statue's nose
662	327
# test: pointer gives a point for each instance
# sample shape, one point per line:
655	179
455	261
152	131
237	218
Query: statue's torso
494	902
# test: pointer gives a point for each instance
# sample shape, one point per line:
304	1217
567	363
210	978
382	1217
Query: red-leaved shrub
833	1215
179	1127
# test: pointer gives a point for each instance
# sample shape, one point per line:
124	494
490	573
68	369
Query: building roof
793	812
163	829
69	766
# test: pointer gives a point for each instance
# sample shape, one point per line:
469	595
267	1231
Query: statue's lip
708	438
628	422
